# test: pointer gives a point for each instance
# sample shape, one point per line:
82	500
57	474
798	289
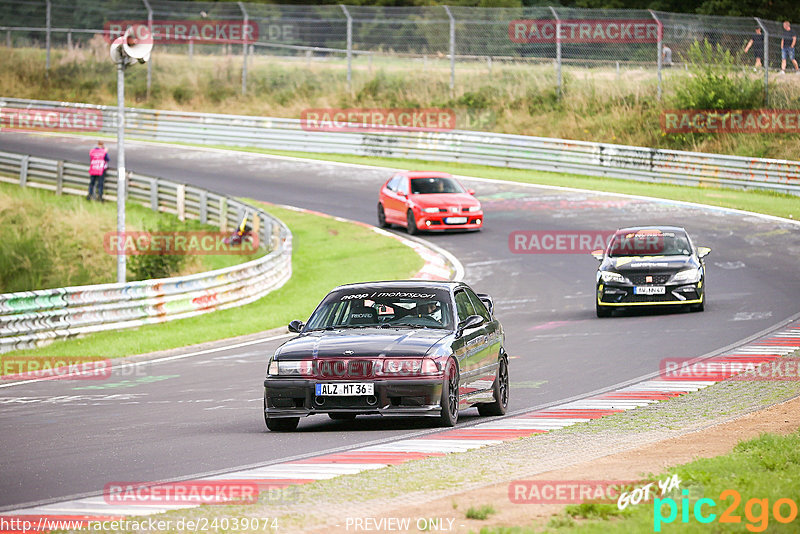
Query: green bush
716	81
149	266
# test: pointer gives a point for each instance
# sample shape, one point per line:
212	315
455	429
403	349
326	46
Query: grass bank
598	104
352	254
57	241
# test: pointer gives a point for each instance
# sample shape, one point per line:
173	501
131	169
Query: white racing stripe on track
432	445
532	423
315	471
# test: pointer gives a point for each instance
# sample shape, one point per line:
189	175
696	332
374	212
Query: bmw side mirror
702	252
469	322
296	326
598	254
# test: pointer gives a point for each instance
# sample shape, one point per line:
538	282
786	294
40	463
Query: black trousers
96	181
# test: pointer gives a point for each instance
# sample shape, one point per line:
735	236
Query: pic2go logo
757	511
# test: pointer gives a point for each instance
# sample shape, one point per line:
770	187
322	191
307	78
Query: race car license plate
649	290
349	389
455	220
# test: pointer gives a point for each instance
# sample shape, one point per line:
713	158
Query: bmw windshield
381	307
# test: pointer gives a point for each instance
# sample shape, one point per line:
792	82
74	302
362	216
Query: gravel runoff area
408	490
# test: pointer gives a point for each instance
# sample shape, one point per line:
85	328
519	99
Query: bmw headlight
473	209
430	210
609	276
689	276
290	368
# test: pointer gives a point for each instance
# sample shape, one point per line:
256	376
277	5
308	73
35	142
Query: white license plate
455	220
344	389
649	290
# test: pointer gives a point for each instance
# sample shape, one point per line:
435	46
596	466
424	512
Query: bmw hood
367	342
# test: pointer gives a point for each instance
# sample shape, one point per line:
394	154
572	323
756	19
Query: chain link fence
559	41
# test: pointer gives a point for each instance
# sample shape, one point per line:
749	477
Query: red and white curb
327	466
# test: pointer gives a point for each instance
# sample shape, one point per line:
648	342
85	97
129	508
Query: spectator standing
788	40
666	56
756	42
98	163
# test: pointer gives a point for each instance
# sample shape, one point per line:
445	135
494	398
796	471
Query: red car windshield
432	185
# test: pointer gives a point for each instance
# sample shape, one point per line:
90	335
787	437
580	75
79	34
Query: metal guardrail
33	318
499	150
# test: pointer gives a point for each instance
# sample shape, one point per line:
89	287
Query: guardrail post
558	51
154	195
69	40
47	37
23	170
203	215
244	49
765	60
150	29
180	201
349	47
223	214
59	177
191	49
452	49
256	224
8	38
660	46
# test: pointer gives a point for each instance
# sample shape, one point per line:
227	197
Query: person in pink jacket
98	163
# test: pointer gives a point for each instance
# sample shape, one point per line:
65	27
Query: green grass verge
57	241
352	253
780	205
762	469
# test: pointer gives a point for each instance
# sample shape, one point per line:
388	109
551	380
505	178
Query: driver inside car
430	310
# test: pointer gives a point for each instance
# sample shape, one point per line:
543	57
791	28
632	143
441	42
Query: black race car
403	348
650	266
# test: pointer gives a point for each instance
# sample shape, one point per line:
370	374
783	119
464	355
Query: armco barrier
32	318
500	150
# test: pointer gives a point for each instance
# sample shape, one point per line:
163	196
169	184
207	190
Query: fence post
766	60
59	177
154	195
452	49
180	201
558	50
23	171
8	38
191	48
47	37
223	214
69	40
150	29
244	49
660	48
349	47
203	215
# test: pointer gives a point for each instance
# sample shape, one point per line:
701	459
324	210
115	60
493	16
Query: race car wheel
412	223
449	402
601	311
342	416
282	424
382	217
498	407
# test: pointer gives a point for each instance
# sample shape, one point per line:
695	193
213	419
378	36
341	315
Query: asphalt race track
202	413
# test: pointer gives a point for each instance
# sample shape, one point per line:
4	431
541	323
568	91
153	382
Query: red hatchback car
424	200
